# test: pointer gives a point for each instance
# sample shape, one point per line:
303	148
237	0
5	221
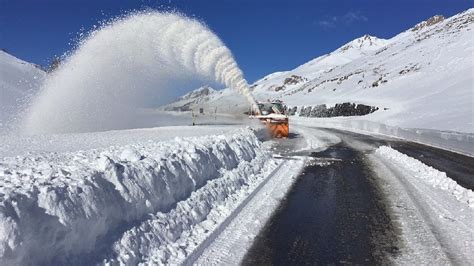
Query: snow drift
131	63
69	207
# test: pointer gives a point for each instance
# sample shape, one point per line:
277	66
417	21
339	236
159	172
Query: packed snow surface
428	174
434	214
69	207
231	245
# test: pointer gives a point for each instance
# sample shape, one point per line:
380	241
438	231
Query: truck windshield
270	108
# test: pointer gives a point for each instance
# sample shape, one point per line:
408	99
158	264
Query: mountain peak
202	91
429	22
364	43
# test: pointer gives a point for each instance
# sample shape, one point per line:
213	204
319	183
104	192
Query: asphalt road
335	212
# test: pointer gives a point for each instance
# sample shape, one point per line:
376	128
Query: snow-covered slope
192	98
226	101
202	91
421	78
18	81
347	53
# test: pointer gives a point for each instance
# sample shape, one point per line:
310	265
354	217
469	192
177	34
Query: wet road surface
335	212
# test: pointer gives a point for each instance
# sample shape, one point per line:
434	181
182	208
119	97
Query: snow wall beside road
454	141
70	207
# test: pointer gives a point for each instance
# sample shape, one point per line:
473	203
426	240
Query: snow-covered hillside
222	101
192	98
421	78
284	81
202	91
19	80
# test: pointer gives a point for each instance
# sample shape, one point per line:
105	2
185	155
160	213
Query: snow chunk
130	155
428	174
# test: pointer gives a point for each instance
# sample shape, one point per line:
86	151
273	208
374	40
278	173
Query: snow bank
58	207
170	238
454	141
427	173
232	244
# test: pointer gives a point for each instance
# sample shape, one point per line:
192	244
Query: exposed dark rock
182	108
198	93
431	21
408	69
294	79
377	82
340	109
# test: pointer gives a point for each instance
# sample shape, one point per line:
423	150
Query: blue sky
265	36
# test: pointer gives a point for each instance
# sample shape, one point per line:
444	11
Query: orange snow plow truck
273	115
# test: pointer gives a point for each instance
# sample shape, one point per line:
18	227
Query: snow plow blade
278	129
274	116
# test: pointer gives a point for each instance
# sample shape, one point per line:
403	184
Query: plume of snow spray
130	64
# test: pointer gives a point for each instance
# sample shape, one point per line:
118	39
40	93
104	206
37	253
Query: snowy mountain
192	98
352	50
198	93
421	78
347	53
18	81
226	101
